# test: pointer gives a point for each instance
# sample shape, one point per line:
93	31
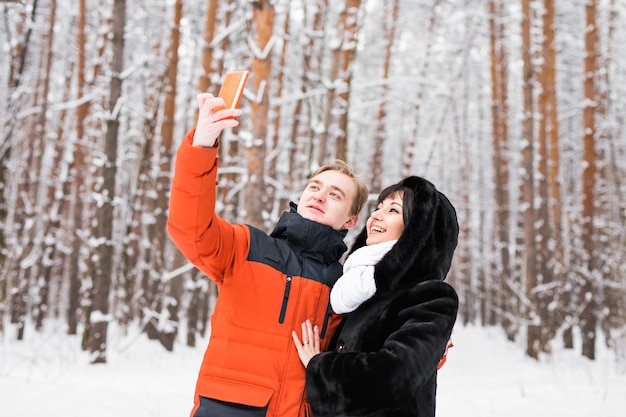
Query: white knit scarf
357	284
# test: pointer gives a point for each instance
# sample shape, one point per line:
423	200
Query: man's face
327	199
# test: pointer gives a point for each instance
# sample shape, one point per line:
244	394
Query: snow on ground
48	375
485	376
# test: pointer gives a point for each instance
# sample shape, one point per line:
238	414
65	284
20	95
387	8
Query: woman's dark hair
407	199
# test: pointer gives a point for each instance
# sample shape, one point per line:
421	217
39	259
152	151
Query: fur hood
423	251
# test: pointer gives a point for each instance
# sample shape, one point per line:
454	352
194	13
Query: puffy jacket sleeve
209	242
357	383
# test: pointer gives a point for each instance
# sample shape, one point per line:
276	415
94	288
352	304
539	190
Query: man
268	285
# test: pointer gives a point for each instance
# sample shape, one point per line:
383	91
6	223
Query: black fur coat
385	358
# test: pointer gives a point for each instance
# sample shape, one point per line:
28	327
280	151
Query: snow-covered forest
514	109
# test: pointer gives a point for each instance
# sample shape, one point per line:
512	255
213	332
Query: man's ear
351	222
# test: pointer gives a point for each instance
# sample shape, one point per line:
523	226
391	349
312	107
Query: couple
378	359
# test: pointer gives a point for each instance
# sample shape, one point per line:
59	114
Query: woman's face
386	222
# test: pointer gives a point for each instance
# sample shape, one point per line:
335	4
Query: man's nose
319	195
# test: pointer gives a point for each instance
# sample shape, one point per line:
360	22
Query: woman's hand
211	122
310	345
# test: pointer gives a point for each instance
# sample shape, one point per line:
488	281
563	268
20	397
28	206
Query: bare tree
334	113
275	143
172	300
210	21
301	153
503	297
610	203
79	170
410	143
41	196
553	241
58	202
390	23
590	287
230	151
17	279
546	292
102	255
349	22
256	199
527	239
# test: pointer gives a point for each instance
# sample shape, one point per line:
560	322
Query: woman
386	353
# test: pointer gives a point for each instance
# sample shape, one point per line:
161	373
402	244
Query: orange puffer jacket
268	285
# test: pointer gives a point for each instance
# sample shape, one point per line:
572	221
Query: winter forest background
514	109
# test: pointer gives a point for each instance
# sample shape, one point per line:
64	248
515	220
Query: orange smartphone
232	88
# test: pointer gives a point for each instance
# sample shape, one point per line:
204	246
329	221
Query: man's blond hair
360	198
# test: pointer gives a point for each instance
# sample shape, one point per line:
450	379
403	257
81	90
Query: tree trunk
381	119
55	235
410	144
350	26
275	146
230	151
79	303
321	153
610	202
256	203
301	154
9	288
77	171
204	82
528	241
19	280
102	259
43	281
132	267
499	115
545	293
588	316
172	300
555	240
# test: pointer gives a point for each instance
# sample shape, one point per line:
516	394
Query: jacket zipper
326	319
283	308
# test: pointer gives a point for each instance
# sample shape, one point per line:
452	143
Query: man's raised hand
210	122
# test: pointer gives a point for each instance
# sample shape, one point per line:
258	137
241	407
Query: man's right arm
205	239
